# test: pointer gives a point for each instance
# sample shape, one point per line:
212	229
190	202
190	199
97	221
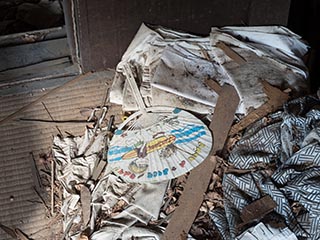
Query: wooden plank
199	178
213	85
276	99
32	36
45	70
28	54
85	199
231	53
256	210
21	235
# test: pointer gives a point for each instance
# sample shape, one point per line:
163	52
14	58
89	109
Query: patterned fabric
284	155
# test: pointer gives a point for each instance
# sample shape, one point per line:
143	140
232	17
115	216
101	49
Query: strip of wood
213	85
33	36
257	209
85	198
231	53
50	122
61	67
28	54
103	162
51	92
276	100
52	204
199	178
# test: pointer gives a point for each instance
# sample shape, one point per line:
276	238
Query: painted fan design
168	143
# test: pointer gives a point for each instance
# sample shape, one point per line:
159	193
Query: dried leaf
213	196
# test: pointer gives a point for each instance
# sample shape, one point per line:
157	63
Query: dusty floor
20	206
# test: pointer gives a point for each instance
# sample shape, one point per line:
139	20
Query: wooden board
32	53
256	210
276	99
199	178
231	53
32	36
49	69
69	18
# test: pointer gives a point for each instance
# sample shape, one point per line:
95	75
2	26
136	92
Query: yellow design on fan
153	145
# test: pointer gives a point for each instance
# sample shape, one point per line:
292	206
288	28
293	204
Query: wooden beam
199	178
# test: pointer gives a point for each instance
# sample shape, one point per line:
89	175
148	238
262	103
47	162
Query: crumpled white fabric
273	54
144	202
263	231
171	66
139	233
75	166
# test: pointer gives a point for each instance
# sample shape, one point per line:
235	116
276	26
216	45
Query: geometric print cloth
283	152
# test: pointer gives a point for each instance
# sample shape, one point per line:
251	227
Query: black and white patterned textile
283	152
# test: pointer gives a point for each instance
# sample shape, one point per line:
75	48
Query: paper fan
161	143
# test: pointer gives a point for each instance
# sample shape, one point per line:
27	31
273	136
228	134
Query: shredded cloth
140	203
283	152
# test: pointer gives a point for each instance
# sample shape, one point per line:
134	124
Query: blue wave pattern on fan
172	146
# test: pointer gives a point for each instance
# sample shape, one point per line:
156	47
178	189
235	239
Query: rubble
171	67
283	157
235	74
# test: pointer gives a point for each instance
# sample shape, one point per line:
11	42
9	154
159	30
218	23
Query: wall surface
304	20
106	27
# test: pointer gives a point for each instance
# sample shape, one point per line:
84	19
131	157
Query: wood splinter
199	178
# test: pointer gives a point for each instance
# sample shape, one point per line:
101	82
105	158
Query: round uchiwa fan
159	144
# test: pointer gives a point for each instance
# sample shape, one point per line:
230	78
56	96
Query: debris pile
133	179
280	157
186	71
